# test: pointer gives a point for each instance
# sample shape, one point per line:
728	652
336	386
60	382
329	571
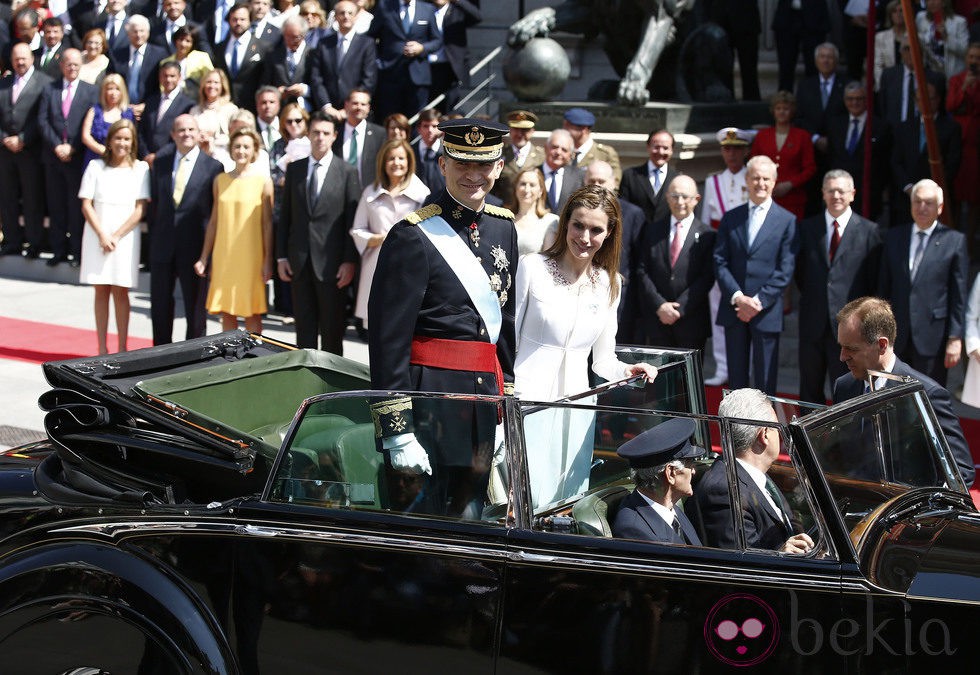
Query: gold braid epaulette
423	213
499	211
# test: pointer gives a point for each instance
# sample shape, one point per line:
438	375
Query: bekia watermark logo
741	630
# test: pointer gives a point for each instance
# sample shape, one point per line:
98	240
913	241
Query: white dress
558	326
377	212
114	192
530	237
971	385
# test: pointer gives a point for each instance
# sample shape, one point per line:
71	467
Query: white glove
499	446
407	454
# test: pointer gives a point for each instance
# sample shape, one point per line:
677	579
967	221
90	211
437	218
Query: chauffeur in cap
662	467
520	152
442	319
579	123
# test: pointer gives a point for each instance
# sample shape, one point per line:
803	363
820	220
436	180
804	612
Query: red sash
462	355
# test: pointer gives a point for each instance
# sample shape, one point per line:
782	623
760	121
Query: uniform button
479	380
483	331
480	258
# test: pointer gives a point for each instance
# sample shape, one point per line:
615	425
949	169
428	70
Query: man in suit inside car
182	198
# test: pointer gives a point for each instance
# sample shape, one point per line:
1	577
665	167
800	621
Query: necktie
406	19
678	534
919	250
754	225
656	181
312	191
45	59
834	241
233	66
777	499
575	159
164	105
180	179
909	109
675	245
15	91
291	65
922	135
341	49
111	31
825	94
352	151
66	101
852	140
134	77
553	192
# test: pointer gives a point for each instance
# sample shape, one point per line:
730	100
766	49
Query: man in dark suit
799	26
766	516
896	91
64	104
241	55
520	152
866	330
643	184
113	21
174	16
288	65
21	177
52	47
358	140
163	107
910	156
262	29
675	272
846	146
420	312
406	35
450	65
138	62
561	179
924	268
313	246
213	16
742	22
820	96
427	150
838	258
753	265
662	468
343	60
182	198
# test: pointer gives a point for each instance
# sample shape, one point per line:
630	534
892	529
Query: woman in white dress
567	297
532	218
114	191
395	193
971	385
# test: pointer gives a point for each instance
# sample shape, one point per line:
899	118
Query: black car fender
66	581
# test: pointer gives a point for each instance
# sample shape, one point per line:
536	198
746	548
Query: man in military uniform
442	320
724	191
579	122
519	153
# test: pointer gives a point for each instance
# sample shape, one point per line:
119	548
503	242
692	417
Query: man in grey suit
314	249
662	467
21	182
836	262
561	179
62	111
182	200
924	268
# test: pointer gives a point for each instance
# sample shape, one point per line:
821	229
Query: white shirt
25	79
662	511
520	154
759	479
662	171
880	382
264	129
172	26
842	221
191	158
117	21
141	50
757	217
361	129
422	146
722	193
408	9
440	55
684	231
165	101
242	47
552	175
583	149
322	173
914	244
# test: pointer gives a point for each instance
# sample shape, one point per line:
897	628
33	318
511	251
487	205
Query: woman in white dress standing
395	193
567	297
114	191
532	218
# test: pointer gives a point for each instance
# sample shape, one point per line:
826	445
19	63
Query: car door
579	600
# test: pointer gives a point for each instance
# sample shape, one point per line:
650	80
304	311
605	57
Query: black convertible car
220	506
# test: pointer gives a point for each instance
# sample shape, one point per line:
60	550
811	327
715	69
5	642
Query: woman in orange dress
792	151
238	240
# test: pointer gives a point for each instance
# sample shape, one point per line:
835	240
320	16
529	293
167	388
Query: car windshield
879	450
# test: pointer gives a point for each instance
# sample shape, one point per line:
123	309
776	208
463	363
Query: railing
480	89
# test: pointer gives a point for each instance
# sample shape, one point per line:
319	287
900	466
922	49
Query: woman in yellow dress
238	239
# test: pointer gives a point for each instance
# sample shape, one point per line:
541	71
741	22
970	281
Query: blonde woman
532	218
113	106
214	108
396	193
238	239
113	191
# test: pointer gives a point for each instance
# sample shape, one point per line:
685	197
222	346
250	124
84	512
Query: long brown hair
593	197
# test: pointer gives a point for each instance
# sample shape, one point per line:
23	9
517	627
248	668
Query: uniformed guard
441	313
519	152
579	122
724	191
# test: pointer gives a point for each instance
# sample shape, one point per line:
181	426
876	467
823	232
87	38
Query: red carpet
37	342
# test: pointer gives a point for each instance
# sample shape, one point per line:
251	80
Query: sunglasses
297	120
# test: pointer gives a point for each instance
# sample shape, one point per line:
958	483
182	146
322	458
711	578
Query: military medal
475	235
495	284
499	258
458	212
